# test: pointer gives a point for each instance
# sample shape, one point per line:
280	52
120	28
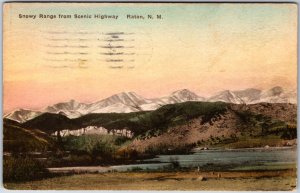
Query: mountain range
126	102
171	128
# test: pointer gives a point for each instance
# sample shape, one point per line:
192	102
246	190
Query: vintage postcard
150	96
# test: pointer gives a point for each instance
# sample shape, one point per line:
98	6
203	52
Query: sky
202	47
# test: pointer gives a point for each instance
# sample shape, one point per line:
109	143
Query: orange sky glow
202	47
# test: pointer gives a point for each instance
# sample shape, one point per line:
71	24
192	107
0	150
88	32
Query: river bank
251	180
250	159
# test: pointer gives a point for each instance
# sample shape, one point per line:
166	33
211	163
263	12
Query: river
229	159
235	159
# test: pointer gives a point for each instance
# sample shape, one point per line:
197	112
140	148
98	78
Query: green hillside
138	122
18	139
172	128
49	123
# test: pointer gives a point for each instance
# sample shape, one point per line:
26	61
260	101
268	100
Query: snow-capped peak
71	108
126	102
22	115
226	96
275	91
184	93
129	97
251	95
181	96
278	95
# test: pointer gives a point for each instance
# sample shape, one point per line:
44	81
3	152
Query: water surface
232	159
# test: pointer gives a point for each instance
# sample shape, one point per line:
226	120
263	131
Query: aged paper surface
150	96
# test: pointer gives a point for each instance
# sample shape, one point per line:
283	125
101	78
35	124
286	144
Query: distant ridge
126	102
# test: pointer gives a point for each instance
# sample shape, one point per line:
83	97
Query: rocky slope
238	120
19	139
178	125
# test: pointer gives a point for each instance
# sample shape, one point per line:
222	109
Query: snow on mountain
153	105
181	96
175	97
71	109
291	95
277	95
275	91
248	95
226	96
22	115
126	102
116	108
130	100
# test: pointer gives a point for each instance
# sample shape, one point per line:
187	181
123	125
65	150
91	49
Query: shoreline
192	180
199	149
140	165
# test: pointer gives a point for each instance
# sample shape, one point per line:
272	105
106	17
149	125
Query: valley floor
262	180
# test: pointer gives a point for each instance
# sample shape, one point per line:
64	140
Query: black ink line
58	66
116	67
66	32
72	53
114	37
66	39
111	47
69	32
66	60
117	53
118	33
55	32
118	60
66	46
66	66
116	40
113	40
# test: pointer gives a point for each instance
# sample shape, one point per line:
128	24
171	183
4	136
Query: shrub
23	169
94	145
135	169
289	133
174	162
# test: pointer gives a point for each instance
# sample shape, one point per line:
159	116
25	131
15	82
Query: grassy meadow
246	181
